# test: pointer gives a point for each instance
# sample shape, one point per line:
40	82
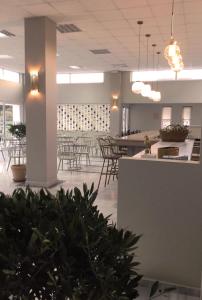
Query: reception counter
135	142
185	149
162	200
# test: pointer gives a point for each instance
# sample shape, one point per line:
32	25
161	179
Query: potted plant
174	133
18	131
62	247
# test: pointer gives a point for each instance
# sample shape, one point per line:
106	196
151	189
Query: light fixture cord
139	47
158	53
153	59
172	18
147	52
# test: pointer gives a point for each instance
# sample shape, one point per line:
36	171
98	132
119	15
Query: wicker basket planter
174	133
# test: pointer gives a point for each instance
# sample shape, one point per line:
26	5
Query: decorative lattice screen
83	117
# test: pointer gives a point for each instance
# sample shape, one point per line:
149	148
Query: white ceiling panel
105	24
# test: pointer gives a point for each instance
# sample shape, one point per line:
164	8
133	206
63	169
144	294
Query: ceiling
105	24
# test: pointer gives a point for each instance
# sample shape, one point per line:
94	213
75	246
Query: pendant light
146	91
172	51
137	86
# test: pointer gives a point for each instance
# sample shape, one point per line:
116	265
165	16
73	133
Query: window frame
73	78
183	119
169	120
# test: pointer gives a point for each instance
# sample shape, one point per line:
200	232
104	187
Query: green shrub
61	247
18	130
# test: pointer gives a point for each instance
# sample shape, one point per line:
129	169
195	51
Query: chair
67	153
2	149
83	150
116	148
110	161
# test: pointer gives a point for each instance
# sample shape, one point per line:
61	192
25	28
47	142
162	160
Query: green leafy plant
18	130
61	247
174	132
175	128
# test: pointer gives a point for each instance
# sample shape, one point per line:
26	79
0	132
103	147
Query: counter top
152	134
185	148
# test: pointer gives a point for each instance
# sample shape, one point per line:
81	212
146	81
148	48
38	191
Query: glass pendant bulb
137	87
156	96
172	52
146	91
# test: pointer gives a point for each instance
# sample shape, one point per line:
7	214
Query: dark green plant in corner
61	247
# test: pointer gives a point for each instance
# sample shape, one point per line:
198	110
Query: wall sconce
34	79
115	102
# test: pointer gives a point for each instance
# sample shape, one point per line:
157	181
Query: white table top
185	148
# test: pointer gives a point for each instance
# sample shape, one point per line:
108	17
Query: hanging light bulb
138	86
146	91
157	96
172	51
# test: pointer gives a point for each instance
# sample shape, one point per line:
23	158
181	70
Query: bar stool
110	161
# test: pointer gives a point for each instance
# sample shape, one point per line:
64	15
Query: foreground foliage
61	247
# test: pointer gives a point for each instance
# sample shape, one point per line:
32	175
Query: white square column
41	108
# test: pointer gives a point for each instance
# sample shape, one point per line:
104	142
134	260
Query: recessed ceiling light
3	35
75	67
5	56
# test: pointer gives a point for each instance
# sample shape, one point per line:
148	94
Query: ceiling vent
67	28
7	33
100	51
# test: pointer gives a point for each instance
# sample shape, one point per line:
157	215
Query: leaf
9	272
154	289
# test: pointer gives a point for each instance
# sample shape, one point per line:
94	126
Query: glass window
163	75
80	78
125	119
8	117
87	78
11	76
63	78
166	118
16	114
186	115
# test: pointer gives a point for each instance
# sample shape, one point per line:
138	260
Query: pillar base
45	184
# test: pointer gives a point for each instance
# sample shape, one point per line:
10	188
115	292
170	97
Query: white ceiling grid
105	24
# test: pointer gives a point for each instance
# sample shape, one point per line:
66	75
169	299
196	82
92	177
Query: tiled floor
107	196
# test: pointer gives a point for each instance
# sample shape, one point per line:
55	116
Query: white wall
163	202
11	93
96	93
148	116
85	93
172	91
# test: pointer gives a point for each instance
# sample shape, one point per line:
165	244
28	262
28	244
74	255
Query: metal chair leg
101	174
2	153
9	163
107	172
59	164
